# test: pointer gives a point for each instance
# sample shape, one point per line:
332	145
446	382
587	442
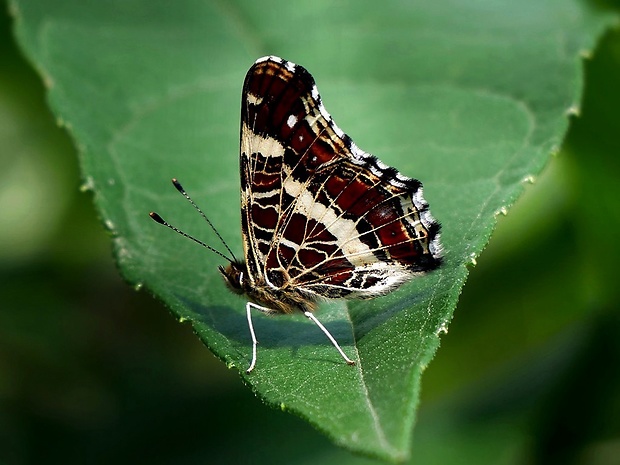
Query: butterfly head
234	276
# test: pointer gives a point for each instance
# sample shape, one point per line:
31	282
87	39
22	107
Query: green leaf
469	97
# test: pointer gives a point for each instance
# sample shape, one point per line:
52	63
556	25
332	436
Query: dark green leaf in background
469	97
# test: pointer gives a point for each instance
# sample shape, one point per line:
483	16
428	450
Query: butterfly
320	218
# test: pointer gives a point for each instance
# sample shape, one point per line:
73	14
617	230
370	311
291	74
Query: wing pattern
321	217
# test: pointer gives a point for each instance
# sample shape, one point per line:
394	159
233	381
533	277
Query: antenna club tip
177	185
157	218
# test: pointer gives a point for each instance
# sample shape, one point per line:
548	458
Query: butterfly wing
319	214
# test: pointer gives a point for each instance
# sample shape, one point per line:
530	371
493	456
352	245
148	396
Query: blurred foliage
93	372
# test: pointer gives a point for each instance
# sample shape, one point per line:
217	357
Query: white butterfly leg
248	310
310	316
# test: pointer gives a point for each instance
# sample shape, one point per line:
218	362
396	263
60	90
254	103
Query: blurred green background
92	371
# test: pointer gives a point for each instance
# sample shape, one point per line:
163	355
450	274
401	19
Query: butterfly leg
310	316
248	310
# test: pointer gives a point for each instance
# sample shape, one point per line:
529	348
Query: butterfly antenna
179	187
160	220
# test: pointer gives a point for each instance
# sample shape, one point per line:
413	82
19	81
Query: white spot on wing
427	219
357	152
290	66
269	58
254	99
373	169
418	199
435	246
315	93
291	121
381	165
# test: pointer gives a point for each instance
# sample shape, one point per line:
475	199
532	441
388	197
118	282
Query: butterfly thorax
274	299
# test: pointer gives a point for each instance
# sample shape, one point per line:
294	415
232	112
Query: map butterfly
321	219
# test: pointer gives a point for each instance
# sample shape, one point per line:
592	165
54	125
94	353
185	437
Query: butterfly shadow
278	331
412	303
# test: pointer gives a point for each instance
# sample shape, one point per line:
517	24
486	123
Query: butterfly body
272	300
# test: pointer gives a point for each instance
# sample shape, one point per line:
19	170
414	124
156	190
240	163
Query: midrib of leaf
371	408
